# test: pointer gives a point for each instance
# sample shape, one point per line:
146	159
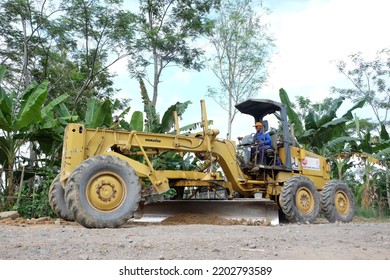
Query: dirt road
46	239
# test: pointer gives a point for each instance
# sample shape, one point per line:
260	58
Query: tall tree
166	30
243	46
24	42
24	27
101	31
69	43
370	82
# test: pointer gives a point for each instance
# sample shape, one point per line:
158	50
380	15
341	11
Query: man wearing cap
263	140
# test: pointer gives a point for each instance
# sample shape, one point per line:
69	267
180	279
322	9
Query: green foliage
366	212
165	160
173	161
341	139
166	30
48	110
28	119
34	203
152	122
67	49
292	116
100	31
98	113
369	82
3	69
152	118
194	126
30	110
71	44
168	120
137	122
321	129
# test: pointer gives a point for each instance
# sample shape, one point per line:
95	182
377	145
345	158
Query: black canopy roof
258	108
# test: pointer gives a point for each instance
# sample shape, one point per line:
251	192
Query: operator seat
272	154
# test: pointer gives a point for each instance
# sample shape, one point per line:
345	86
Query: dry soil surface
189	237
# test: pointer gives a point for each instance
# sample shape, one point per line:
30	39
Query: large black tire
57	200
103	192
299	200
337	202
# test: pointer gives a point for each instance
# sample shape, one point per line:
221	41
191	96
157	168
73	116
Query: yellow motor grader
102	172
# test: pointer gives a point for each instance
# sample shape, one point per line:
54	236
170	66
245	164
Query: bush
366	212
34	202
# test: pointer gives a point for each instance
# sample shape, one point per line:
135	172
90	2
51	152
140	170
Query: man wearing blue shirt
263	140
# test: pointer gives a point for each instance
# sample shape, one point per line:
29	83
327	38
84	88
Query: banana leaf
98	114
194	126
48	109
137	121
30	110
292	116
168	119
384	135
3	69
5	105
341	141
331	114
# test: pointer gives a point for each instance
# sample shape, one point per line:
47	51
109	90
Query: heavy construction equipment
107	176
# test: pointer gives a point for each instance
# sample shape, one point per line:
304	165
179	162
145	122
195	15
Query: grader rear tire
103	192
299	200
337	202
57	200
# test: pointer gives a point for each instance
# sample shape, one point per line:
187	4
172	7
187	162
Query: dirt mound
39	221
185	218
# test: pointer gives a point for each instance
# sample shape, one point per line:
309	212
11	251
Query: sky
310	35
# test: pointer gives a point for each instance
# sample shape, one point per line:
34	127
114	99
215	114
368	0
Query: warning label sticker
311	163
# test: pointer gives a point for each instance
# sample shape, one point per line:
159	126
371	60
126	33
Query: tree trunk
366	194
155	78
155	61
387	183
10	183
33	158
25	74
229	134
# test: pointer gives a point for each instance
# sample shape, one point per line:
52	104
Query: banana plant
320	126
152	118
24	119
15	120
371	150
152	121
149	121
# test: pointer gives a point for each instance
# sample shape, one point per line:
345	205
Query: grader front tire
103	192
57	200
299	200
337	202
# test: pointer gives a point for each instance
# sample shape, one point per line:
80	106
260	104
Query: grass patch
370	215
366	212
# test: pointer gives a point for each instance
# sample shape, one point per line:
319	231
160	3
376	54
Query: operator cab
258	109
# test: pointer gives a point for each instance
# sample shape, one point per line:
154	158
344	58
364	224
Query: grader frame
93	194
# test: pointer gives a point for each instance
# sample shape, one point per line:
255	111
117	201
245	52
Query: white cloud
309	38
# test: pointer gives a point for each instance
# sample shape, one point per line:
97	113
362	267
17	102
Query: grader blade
238	209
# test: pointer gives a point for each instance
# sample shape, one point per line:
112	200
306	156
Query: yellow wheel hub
304	200
105	191
341	202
